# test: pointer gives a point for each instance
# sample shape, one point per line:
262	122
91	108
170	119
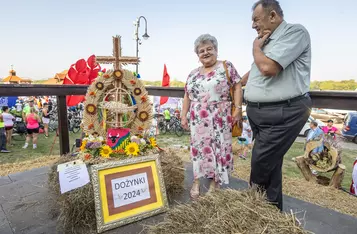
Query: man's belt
285	102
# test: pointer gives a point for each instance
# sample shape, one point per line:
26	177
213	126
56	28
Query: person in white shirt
18	106
246	137
9	123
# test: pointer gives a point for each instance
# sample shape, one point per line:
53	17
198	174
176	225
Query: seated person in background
330	129
315	134
353	189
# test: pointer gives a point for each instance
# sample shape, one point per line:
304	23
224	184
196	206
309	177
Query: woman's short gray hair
204	38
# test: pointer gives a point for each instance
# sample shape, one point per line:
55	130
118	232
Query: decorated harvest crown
116	103
116	99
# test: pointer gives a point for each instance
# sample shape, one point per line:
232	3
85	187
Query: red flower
229	119
207	150
144	99
192	115
219	120
210	74
223	161
87	156
228	157
194	152
82	72
106	76
90	126
203	114
133	82
92	93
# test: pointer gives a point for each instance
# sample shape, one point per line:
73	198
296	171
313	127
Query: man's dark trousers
275	128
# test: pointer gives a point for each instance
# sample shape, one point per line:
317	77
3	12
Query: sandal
195	190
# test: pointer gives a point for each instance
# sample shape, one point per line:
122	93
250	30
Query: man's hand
184	122
237	117
259	41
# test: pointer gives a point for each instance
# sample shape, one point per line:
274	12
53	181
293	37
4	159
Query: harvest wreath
114	93
116	119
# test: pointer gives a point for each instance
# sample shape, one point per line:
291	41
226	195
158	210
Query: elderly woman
208	99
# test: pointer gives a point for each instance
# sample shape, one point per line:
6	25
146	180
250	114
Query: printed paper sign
73	176
130	189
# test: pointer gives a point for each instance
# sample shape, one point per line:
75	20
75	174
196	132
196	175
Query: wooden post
63	125
337	176
304	168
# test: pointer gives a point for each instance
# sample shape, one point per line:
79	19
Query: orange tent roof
53	81
58	79
12	77
61	75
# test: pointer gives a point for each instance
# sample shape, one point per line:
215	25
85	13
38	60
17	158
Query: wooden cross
117	59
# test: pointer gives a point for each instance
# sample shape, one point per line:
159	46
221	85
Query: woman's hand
237	117
184	122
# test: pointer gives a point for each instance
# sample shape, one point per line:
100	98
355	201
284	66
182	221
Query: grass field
290	168
44	145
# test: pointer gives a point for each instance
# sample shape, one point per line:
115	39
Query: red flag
165	83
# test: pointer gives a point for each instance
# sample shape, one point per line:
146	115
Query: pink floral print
210	122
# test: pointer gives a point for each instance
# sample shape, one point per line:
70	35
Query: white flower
100	138
91	138
134	138
142	141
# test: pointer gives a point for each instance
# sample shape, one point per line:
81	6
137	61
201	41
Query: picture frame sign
127	191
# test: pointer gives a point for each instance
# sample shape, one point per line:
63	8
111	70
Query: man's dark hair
270	5
315	123
330	121
5	108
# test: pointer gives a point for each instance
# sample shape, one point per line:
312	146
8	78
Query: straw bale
76	209
227	211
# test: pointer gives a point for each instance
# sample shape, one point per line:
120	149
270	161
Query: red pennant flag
165	83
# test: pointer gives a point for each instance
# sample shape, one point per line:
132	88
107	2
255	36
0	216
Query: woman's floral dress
211	122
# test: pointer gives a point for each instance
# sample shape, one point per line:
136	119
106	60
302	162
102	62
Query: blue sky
42	37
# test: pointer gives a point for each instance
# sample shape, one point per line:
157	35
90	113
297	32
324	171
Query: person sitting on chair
315	134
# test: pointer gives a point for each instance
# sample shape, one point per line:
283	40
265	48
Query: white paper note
130	189
73	176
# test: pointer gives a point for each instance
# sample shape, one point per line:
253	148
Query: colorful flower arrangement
95	147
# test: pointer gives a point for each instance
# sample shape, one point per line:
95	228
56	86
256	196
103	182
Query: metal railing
320	99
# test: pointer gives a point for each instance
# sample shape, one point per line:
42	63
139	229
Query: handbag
236	129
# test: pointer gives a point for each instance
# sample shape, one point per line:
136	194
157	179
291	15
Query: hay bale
227	211
173	172
76	209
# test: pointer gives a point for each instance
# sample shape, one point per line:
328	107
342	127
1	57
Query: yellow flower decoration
83	146
152	141
132	149
106	151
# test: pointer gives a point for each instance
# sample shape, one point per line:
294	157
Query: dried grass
76	209
227	211
173	172
324	196
9	168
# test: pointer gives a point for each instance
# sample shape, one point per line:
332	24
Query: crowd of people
32	111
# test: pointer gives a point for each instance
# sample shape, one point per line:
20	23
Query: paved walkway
24	207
